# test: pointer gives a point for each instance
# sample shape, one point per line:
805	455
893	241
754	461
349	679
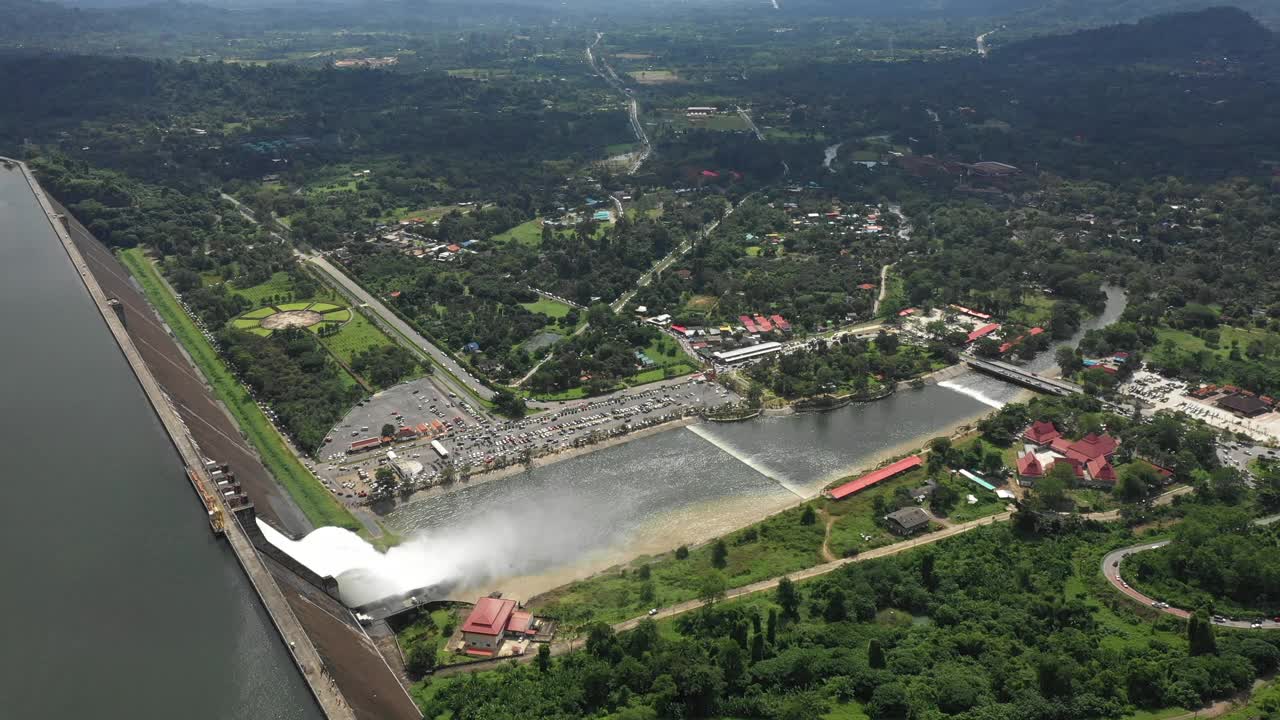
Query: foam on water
973	392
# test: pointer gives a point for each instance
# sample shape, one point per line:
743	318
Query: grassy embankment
775	546
320	507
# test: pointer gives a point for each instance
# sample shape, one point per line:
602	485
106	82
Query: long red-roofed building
983	331
871	478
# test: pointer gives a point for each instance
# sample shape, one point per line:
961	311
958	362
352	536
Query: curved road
1111	570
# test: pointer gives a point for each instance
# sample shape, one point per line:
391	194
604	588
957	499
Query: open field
655	77
279	284
527	233
547	307
320	507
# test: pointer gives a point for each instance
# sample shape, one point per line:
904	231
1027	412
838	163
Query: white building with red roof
493	620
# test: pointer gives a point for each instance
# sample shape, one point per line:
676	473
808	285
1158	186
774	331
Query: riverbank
302	650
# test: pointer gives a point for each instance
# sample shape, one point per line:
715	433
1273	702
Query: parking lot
1161	393
474	442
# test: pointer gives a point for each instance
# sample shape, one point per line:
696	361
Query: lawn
358	333
320	507
1226	333
526	233
279	284
551	308
1034	311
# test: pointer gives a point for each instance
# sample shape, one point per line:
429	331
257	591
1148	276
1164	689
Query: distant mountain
1215	32
1041	12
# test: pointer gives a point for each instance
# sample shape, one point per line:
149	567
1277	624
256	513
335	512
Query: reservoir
118	600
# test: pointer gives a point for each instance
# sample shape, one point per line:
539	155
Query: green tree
789	599
682	552
808	516
388	430
835	610
1200	634
875	654
544	658
719	554
421	659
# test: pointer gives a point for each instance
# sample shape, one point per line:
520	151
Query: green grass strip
320	507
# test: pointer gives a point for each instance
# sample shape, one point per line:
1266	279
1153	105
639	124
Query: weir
303	651
957	386
729	449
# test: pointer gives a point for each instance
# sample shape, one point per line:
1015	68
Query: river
533	531
118	600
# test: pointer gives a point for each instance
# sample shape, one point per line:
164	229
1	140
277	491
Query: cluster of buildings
1236	400
865	221
369	62
1089	457
406	433
405	240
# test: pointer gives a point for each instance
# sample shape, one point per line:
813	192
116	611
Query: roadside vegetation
317	503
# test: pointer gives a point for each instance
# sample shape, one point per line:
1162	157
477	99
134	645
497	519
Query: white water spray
527	535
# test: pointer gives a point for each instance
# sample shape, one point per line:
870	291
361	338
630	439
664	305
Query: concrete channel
303	651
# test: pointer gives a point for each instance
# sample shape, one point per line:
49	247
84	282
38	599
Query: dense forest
1218	561
291	371
932	633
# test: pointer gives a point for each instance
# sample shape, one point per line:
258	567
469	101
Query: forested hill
1022	12
1221	32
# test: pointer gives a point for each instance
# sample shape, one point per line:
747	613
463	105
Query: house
1029	469
1041	432
494	620
907	520
871	478
485	627
983	331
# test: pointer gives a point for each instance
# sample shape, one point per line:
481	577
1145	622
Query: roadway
1111	564
460	376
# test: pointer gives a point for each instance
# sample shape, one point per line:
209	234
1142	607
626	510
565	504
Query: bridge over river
1025	378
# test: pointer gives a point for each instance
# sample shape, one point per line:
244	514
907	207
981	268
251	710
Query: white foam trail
972	392
758	467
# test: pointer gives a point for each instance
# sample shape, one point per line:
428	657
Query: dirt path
830	520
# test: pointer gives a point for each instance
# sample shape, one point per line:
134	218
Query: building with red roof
747	323
366	444
485	627
780	323
1089	457
1041	432
983	331
867	286
908	311
763	324
871	478
1029	467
